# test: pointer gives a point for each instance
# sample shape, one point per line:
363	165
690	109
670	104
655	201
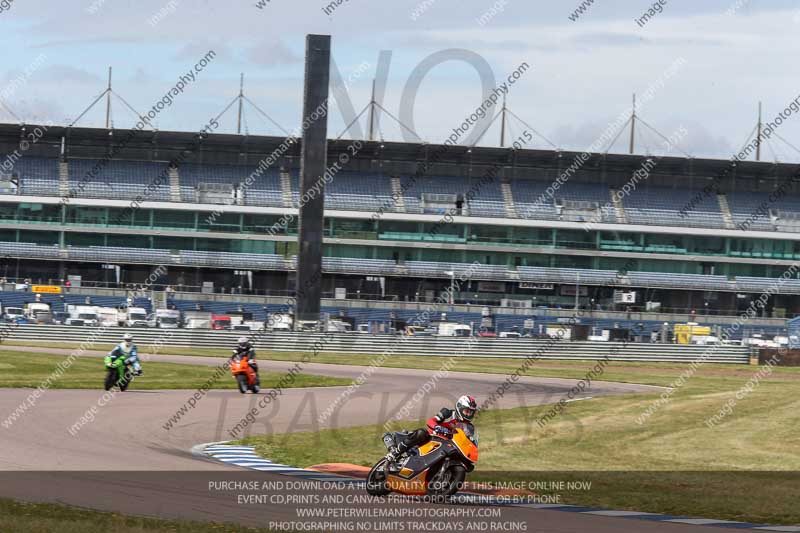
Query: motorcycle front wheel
376	479
241	380
111	378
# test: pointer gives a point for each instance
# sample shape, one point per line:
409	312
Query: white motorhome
133	317
249	325
85	315
39	313
280	322
197	319
106	316
168	318
453	329
339	326
561	332
705	339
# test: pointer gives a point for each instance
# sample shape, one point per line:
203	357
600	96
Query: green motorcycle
118	373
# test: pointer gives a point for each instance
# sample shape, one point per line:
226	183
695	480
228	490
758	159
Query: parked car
60	317
14	314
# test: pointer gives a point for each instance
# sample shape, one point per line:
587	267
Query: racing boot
396	452
393	455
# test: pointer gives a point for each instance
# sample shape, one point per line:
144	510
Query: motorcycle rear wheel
241	380
376	479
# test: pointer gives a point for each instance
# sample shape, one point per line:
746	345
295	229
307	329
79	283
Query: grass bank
22	369
746	467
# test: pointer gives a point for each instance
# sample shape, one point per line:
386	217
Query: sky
582	68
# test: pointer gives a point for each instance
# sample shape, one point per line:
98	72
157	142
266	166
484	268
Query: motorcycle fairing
465	446
416	486
429	447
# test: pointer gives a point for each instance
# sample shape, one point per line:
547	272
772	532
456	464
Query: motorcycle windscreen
465	445
469	430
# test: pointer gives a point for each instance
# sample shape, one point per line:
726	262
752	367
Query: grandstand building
403	221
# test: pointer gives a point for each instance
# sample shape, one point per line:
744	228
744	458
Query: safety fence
356	343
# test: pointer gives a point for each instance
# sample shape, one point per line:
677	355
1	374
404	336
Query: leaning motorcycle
435	469
118	373
246	378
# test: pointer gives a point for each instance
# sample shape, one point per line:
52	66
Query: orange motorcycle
436	469
245	376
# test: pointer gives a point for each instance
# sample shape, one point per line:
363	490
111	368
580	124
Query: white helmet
466	407
127	338
244	342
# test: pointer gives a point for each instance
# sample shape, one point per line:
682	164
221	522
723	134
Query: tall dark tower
314	157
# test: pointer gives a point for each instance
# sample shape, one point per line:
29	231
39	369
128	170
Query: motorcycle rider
127	349
439	424
244	348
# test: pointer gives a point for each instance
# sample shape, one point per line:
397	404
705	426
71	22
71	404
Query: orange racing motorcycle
436	469
246	378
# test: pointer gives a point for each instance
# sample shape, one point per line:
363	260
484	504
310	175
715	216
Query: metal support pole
108	100
633	124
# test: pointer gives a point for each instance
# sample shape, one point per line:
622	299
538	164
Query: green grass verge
745	468
23	369
18	517
661	374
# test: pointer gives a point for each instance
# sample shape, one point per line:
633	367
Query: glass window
705	245
617	263
174	219
86	215
8	211
533	236
353	229
574	239
138	241
227	222
262	223
664	244
343	250
398	226
85	239
172	243
39	237
489	234
456	256
440	228
256	247
141	217
119	216
213	245
677	267
566	261
613	240
36	212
